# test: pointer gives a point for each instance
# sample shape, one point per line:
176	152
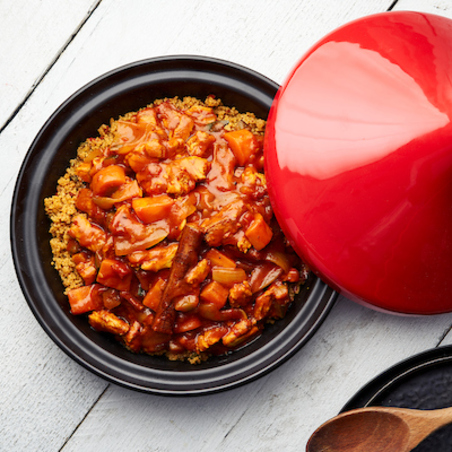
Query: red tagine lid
359	161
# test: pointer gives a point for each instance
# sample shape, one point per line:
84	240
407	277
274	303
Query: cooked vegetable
153	209
243	144
107	180
170	234
259	233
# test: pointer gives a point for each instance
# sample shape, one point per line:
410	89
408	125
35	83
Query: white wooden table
48	49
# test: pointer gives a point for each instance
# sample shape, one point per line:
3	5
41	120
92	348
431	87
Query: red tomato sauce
175	237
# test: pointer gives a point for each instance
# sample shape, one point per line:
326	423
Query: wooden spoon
377	429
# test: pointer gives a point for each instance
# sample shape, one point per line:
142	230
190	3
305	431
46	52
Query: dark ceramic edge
375	388
319	307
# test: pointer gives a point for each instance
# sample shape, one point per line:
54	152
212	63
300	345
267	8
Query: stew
164	235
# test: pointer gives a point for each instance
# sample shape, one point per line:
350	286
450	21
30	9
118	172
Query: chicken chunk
182	174
197	167
156	258
107	321
240	294
132	338
223	164
276	292
179	182
202	114
200	143
198	273
224	224
152	178
254	183
240	332
87	234
209	338
180	124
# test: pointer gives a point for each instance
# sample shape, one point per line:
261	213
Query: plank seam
445	333
392	5
83	419
245	411
51	65
234	425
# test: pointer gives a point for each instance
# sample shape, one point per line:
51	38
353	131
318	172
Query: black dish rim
395	375
108	96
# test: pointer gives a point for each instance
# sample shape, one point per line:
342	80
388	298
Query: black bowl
117	92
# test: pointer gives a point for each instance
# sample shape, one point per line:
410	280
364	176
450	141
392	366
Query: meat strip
186	257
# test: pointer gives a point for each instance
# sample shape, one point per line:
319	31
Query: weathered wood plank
32	35
439	7
44	393
275	413
45	396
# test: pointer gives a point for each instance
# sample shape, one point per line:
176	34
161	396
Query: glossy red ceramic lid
359	161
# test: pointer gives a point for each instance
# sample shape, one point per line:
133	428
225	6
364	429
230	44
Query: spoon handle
424	422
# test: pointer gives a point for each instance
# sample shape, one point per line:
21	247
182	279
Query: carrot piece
79	258
243	144
152	298
218	259
85	203
114	274
149	210
214	293
259	233
107	180
84	299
